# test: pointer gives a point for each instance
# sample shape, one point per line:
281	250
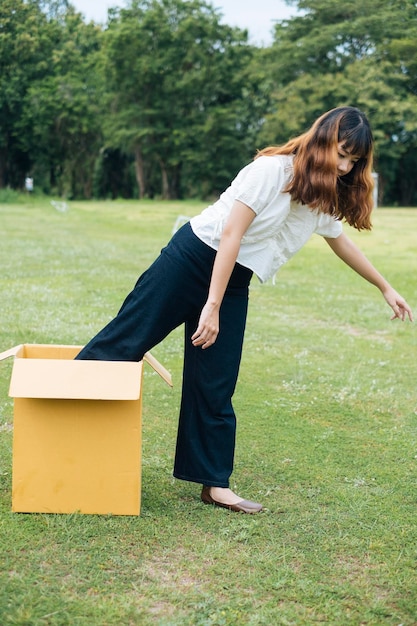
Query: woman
201	278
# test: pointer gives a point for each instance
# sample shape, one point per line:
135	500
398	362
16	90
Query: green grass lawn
327	439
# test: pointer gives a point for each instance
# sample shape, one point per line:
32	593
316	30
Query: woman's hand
397	304
208	327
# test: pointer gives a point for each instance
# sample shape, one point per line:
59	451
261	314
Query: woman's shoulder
279	166
275	160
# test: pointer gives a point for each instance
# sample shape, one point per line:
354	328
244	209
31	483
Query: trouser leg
173	289
171	292
207	424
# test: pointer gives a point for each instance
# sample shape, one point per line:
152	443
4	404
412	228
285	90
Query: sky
257	16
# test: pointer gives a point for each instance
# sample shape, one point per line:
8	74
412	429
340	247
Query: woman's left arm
348	251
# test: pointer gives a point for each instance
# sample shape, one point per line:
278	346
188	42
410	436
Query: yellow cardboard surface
77	431
93	380
77	456
60	376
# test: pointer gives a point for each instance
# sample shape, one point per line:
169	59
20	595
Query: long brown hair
315	181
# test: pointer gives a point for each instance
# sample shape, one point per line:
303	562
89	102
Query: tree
358	52
63	109
175	78
49	123
170	100
24	50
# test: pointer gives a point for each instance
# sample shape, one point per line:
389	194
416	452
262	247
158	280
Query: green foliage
63	111
175	79
24	48
326	440
49	124
358	52
9	196
169	101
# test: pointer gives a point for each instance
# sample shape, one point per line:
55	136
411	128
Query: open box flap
75	380
160	369
11	352
50	371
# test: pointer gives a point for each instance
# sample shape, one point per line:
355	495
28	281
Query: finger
208	343
403	310
205	340
399	313
200	335
203	343
408	311
196	334
199	339
395	311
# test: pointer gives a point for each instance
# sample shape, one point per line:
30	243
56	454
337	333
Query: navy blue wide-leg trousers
171	292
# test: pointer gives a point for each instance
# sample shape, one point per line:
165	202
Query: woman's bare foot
224	495
226	498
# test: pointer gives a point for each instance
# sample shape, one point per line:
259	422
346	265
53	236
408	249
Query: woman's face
345	160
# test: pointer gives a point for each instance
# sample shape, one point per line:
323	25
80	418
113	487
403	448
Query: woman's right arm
240	218
349	252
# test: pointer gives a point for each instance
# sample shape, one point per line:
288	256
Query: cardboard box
77	434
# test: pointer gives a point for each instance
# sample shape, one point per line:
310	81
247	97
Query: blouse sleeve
328	226
260	182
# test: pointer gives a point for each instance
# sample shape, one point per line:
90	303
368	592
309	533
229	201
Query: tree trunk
140	172
170	181
2	169
165	183
174	188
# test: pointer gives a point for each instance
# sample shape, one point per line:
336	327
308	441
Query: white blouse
281	227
